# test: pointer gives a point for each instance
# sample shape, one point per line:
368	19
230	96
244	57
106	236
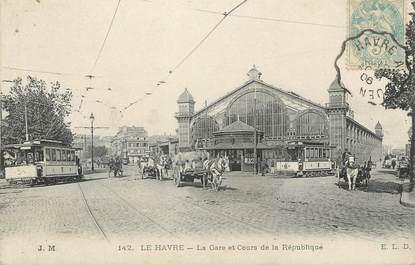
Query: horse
160	164
215	167
149	169
355	174
364	173
116	167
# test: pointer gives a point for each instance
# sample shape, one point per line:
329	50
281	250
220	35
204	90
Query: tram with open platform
41	161
306	160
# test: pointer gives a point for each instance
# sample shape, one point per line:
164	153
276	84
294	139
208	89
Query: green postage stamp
377	32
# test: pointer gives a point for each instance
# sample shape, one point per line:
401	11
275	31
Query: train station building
276	120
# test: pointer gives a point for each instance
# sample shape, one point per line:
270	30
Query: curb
404	198
405	201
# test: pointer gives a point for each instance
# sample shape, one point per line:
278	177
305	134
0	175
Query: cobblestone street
248	205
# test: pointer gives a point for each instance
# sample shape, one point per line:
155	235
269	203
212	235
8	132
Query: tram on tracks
41	162
306	160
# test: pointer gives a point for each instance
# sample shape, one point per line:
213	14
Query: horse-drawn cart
197	165
359	175
150	171
189	175
154	167
115	166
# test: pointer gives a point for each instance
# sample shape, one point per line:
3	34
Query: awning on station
227	146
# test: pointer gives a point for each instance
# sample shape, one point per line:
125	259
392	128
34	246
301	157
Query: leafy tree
400	91
99	151
46	111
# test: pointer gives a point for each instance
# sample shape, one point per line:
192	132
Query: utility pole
92	119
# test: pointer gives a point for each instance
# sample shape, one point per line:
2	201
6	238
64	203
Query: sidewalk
408	195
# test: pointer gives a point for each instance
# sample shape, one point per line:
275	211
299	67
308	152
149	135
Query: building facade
168	146
130	143
282	117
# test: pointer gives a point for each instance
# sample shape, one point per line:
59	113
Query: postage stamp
377	33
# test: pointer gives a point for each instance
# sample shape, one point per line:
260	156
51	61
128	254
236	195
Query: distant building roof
185	97
335	86
131	131
378	125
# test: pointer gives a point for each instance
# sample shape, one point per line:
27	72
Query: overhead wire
272	19
186	57
34	71
225	15
90	76
192	51
106	37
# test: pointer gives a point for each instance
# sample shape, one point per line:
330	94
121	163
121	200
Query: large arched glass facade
271	115
311	123
203	128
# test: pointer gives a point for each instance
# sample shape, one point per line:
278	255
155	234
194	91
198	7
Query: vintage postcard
207	132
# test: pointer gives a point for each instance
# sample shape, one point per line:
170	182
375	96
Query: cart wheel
203	179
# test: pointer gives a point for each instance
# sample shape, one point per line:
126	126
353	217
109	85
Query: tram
41	161
306	160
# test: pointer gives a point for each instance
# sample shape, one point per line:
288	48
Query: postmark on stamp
377	29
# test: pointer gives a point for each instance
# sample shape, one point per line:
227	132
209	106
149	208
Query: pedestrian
345	156
393	163
264	167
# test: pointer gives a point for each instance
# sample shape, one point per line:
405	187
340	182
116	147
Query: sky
294	45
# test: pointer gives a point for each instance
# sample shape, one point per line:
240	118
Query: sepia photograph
207	132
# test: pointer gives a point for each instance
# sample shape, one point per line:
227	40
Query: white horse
161	163
216	167
352	171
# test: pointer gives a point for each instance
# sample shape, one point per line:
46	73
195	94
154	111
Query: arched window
311	123
203	128
271	116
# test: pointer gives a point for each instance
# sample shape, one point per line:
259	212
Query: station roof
237	126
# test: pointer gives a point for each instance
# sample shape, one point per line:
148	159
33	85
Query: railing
183	114
337	105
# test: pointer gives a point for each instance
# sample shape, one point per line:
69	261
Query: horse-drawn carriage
196	165
155	167
354	174
115	166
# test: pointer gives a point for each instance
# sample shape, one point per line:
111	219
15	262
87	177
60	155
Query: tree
99	151
400	90
46	111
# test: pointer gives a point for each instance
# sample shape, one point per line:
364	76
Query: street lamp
92	118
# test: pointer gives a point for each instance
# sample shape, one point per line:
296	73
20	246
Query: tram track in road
94	219
131	206
192	205
250	226
114	221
